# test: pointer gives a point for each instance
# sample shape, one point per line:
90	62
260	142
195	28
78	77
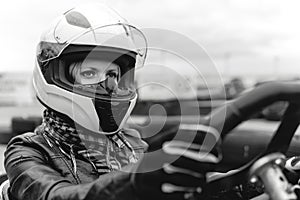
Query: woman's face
93	71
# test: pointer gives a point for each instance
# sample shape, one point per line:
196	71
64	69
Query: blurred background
249	42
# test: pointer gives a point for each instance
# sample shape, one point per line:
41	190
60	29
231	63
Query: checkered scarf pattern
105	153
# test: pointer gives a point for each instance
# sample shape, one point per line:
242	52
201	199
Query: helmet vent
77	19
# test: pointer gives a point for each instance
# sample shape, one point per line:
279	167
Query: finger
160	177
193	165
171	169
182	179
198	134
170	188
192	150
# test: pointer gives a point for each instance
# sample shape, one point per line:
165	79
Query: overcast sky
242	37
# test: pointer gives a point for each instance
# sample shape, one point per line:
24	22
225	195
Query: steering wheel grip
227	117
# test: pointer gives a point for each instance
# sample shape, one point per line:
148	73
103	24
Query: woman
84	76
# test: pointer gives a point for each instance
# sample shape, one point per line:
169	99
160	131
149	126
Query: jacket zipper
74	164
73	160
71	156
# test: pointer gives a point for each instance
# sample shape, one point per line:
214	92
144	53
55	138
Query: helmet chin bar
110	116
113	114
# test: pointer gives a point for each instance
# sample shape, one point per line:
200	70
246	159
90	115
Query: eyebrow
89	68
112	70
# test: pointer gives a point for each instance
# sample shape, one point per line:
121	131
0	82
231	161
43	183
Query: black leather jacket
39	170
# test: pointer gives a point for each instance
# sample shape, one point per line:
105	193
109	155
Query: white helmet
89	31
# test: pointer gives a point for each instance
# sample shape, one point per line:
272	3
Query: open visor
119	36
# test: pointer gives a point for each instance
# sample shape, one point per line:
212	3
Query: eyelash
87	74
112	74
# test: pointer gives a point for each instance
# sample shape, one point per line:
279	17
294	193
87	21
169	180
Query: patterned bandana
106	153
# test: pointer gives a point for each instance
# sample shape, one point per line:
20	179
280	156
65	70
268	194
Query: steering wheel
241	109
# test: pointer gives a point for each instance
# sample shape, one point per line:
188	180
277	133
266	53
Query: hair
73	69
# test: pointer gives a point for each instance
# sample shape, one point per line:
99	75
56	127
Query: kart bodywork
248	152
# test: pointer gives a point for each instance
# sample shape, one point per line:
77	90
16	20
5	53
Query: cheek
92	80
84	81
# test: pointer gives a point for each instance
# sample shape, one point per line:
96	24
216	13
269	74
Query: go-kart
265	170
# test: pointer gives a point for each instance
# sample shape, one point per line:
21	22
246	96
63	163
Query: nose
110	84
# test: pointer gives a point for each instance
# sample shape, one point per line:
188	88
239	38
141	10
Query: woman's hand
178	169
